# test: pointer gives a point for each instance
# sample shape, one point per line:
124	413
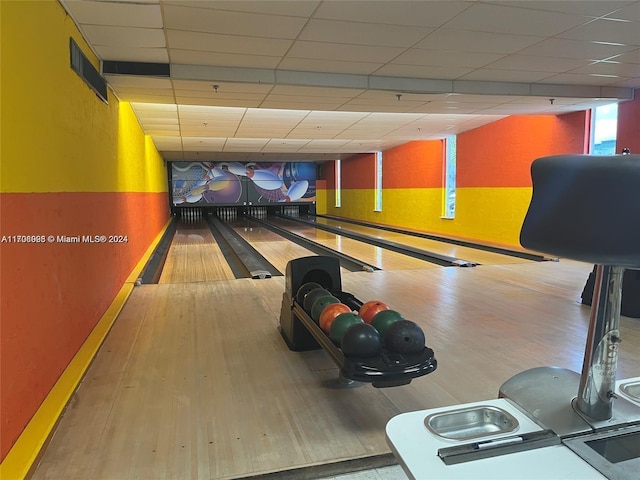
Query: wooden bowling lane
475	255
194	380
371	254
275	249
194	256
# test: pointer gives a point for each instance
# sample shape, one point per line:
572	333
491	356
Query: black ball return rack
301	333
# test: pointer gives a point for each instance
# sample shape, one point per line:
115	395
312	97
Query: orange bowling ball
369	310
330	313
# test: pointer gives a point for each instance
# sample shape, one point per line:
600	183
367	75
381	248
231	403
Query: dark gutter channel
153	269
244	260
347	262
462	243
431	257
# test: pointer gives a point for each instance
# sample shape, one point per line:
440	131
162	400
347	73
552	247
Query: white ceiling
318	80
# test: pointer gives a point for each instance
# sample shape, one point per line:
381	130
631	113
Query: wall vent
136	68
82	66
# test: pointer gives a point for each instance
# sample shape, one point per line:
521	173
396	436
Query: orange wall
53	293
500	154
358	171
413	165
629	125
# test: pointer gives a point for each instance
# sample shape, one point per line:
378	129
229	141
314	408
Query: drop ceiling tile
289	104
179	17
538	64
558	47
363	33
236	44
147	83
347	53
200	142
192	57
581	79
117	14
408	13
124	36
286	7
143	97
586	8
603	30
213	97
495	18
629	12
467	41
444	58
301	99
619	69
129	54
630	57
315	91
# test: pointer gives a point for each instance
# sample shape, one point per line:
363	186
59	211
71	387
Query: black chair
585	208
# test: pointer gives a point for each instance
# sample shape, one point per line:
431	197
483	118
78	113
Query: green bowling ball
384	319
320	304
341	324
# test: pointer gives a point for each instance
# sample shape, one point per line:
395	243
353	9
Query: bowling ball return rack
301	333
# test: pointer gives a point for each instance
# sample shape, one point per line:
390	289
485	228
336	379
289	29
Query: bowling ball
369	309
320	304
340	325
361	340
329	314
404	336
311	297
304	289
384	318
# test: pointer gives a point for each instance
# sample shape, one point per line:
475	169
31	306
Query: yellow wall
56	134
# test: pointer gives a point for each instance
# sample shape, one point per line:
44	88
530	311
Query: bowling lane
442	248
277	250
371	254
194	256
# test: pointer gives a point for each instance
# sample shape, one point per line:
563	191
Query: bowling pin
297	190
265	179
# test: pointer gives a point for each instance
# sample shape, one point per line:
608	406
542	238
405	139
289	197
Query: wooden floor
473	255
194	256
195	382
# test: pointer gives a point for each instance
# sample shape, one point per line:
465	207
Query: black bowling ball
312	296
404	336
361	340
304	289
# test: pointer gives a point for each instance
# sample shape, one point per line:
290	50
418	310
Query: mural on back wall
215	183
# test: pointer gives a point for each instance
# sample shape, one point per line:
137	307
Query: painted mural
234	183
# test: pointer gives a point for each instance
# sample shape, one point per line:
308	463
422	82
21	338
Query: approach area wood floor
195	382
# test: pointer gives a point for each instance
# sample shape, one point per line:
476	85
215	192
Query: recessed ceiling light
602	75
610	43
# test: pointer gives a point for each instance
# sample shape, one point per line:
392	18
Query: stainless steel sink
631	390
470	423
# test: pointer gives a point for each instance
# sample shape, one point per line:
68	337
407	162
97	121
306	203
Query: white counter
416	449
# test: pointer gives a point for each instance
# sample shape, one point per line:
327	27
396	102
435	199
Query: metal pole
597	382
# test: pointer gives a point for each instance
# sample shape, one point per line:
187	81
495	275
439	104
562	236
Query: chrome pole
597	382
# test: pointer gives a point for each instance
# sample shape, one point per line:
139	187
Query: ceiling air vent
82	66
136	68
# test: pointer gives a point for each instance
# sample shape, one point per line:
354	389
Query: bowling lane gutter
153	268
454	241
243	259
347	262
438	259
